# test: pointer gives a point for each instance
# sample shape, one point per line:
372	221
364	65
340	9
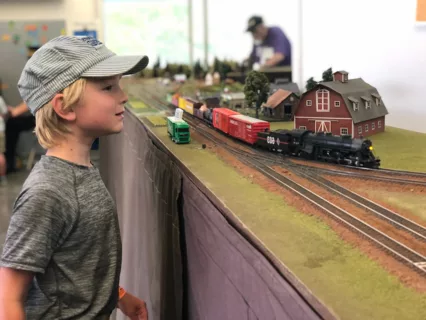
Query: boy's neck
72	151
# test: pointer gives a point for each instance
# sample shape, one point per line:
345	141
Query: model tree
167	73
311	83
216	65
155	70
224	68
256	89
198	70
327	75
187	71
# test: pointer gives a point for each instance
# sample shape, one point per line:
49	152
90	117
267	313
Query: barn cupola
341	76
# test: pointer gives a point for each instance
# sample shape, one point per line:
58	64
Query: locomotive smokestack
341	76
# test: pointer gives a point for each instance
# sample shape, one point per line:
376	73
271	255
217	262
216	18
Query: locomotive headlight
371	148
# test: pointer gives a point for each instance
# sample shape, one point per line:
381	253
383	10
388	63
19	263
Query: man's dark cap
253	22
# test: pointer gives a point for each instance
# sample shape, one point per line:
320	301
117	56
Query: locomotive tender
305	144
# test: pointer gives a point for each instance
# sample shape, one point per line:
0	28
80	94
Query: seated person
17	122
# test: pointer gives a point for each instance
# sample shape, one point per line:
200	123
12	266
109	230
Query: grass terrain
157	121
350	283
282	125
401	149
412	202
139	106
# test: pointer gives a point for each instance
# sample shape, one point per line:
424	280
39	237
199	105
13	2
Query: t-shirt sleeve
281	43
38	226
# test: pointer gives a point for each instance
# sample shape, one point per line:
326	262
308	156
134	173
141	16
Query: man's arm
251	58
18	110
281	45
14	286
274	60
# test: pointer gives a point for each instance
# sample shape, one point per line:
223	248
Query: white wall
376	40
77	14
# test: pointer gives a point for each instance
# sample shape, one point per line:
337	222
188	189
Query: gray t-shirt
65	228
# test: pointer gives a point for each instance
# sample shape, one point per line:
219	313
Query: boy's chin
110	132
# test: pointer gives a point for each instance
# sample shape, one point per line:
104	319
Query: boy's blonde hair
50	128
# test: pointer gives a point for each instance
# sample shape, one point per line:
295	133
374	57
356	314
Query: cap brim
117	65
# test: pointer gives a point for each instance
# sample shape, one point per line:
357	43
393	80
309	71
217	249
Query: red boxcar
221	118
246	128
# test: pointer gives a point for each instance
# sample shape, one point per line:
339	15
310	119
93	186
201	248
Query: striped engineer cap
64	60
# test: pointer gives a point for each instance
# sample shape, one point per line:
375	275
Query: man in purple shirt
271	47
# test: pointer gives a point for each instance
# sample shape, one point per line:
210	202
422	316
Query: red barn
342	107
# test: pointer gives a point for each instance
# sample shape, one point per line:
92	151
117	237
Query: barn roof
357	90
276	98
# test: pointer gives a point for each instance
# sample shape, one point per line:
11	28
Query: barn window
367	102
323	100
366	127
379	124
302	127
337	104
359	129
377	98
344	131
373	126
354	103
308	103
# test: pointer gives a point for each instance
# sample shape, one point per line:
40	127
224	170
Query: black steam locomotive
320	146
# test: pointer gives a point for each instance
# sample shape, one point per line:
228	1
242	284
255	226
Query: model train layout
299	143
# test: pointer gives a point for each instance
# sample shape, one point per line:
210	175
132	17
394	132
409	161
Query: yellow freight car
188	104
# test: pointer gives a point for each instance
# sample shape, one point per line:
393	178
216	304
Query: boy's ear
58	106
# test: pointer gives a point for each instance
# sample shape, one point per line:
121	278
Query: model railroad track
366	176
398	250
394	218
391	171
401	252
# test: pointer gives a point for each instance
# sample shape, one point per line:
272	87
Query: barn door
322	126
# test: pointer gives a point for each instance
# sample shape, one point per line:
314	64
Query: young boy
62	254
